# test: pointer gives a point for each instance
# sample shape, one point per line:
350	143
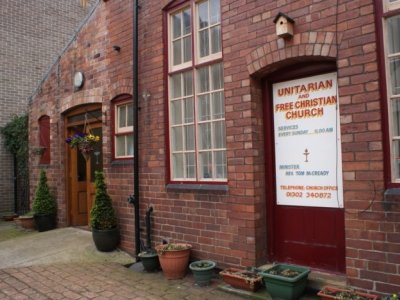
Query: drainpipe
134	199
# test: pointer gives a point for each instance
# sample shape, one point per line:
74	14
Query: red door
304	235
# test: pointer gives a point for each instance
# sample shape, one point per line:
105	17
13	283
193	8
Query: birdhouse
284	25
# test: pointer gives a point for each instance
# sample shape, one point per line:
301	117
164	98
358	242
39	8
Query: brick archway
278	53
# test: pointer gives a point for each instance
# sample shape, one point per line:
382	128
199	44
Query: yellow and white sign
308	157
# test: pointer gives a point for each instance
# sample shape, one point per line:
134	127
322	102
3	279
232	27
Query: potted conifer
103	221
44	205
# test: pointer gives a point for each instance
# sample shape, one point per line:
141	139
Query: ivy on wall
15	138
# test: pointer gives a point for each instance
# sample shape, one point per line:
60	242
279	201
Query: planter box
285	287
241	279
329	292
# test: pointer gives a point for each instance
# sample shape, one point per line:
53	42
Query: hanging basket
86	149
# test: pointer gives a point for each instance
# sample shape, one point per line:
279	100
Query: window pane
189	110
188	84
203	80
176	86
204	108
177	162
205	136
217	77
176	112
204	43
395	75
177	143
218	105
206	164
189	137
215	12
219	134
190	165
187	49
129	145
216	39
120	145
177	52
203	14
220	164
187	27
122	116
129	107
394	34
396	117
176	26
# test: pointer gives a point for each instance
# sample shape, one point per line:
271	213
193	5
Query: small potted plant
103	221
285	281
150	260
330	292
203	271
241	279
174	259
44	205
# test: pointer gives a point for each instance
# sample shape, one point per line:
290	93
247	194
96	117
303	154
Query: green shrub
102	214
43	202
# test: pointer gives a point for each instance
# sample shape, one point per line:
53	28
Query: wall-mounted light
116	48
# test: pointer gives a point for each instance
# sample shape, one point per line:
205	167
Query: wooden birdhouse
284	25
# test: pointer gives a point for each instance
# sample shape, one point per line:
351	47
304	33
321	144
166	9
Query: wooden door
308	235
80	172
77	178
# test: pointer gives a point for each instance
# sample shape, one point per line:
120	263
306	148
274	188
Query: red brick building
252	147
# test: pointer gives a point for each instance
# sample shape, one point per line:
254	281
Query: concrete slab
65	245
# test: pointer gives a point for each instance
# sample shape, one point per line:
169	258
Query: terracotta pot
241	279
327	293
173	262
26	222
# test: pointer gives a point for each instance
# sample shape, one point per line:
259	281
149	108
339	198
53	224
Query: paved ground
64	264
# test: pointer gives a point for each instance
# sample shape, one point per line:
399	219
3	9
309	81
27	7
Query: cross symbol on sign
306	153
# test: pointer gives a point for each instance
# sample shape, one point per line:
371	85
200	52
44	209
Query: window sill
197	187
391	198
122	162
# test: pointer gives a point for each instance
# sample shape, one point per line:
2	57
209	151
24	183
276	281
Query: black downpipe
135	83
15	184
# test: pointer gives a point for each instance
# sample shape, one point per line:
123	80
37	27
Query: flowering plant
83	141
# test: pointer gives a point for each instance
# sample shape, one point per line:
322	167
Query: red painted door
305	235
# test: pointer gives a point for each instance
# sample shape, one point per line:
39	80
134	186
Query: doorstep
317	279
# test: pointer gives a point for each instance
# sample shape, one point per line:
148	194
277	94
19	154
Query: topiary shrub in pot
44	205
103	221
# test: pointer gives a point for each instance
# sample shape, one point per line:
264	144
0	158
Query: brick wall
231	226
32	33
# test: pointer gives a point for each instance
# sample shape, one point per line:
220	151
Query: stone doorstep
316	281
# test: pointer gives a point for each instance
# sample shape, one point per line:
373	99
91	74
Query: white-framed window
196	94
391	27
391	5
123	138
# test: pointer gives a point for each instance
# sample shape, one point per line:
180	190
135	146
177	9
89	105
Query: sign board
308	158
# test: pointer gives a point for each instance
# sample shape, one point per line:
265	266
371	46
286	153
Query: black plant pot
105	240
45	222
150	261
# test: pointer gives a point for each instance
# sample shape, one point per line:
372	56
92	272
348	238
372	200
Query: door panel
310	236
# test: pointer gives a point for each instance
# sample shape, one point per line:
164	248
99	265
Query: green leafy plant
43	202
102	214
15	134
